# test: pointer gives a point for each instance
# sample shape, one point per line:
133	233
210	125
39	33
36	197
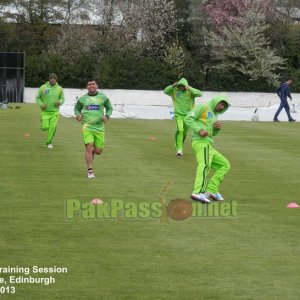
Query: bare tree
73	42
175	56
137	24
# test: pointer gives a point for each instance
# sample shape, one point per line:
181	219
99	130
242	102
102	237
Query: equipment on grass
255	116
3	104
172	114
293	107
292	205
97	202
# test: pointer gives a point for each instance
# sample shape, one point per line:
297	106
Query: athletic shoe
91	175
276	120
292	120
216	196
50	146
200	197
179	154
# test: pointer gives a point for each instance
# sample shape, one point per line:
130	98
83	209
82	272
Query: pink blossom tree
228	12
238	42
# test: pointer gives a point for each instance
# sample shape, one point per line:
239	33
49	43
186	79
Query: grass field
254	255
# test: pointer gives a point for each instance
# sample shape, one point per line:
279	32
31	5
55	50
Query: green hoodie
183	101
50	95
203	116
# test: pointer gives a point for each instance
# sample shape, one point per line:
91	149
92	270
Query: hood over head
182	82
53	76
217	99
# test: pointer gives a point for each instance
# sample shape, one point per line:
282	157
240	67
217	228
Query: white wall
143	97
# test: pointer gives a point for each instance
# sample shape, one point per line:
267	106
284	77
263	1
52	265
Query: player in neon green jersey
50	97
93	110
183	97
203	121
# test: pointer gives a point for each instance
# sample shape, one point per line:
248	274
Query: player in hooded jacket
203	120
49	98
183	97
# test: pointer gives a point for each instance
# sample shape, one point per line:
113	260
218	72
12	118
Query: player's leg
89	155
202	151
45	120
221	167
52	127
88	139
179	134
99	139
185	130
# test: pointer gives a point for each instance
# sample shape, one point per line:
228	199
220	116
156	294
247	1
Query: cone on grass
97	202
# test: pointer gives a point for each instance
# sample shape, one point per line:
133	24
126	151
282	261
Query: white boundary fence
144	104
153	98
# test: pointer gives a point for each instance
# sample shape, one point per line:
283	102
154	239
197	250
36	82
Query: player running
183	97
50	97
93	110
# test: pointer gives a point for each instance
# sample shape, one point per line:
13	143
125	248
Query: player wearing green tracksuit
49	98
203	121
183	97
93	110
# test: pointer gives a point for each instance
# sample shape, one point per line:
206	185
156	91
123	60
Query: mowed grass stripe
252	256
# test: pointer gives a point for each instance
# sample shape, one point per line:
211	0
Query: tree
228	12
175	57
118	31
157	25
32	19
242	47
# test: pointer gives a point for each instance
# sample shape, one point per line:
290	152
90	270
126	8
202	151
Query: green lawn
254	255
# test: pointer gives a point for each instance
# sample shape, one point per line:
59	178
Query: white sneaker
91	175
50	146
216	196
200	197
179	153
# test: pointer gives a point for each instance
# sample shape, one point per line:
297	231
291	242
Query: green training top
203	116
183	101
50	95
92	110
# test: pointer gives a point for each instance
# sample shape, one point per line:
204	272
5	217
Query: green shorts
96	138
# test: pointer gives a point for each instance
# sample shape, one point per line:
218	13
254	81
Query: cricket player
183	97
93	110
203	121
49	98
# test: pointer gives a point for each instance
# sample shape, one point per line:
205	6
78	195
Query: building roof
290	12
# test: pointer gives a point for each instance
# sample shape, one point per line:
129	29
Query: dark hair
92	79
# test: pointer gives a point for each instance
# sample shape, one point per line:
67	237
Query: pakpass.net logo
177	209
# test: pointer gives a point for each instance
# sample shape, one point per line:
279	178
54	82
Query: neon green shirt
203	116
183	101
91	107
50	95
